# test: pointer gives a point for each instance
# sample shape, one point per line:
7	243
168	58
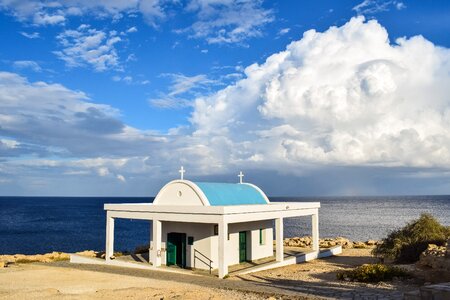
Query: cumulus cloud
89	46
346	96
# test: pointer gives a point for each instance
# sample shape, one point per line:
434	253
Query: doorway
242	246
176	249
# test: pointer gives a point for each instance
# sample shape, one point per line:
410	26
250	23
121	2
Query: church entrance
176	249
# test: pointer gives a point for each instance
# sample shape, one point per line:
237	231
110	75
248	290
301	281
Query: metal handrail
209	264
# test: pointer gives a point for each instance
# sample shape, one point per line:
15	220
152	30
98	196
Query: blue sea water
43	224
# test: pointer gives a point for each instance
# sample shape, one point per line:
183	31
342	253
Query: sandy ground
312	280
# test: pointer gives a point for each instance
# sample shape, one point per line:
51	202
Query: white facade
212	225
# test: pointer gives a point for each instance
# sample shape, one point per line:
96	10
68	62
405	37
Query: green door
171	253
242	246
176	249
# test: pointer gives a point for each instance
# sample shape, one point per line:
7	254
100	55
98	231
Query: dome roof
219	194
185	192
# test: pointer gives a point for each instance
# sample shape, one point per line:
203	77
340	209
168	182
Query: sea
31	225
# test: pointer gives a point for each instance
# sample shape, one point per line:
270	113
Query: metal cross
182	170
240	176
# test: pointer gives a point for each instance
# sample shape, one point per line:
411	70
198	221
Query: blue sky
306	97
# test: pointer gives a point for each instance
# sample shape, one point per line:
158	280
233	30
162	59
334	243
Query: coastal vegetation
405	245
373	273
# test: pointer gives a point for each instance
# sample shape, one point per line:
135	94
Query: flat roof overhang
212	214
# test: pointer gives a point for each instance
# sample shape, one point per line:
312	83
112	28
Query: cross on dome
182	171
240	176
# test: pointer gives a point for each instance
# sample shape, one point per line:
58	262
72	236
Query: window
262	239
190	240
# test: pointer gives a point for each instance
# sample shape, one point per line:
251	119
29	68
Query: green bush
373	273
406	244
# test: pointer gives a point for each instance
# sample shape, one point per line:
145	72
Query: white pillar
109	249
156	243
279	253
315	231
223	237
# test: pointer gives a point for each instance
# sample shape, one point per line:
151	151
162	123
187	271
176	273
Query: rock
434	257
371	243
348	245
88	253
3	264
359	245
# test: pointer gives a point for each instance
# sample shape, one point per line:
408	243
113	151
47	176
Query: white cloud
182	83
32	35
49	130
103	171
227	21
284	31
132	29
129	80
370	7
342	97
64	121
181	89
27	64
89	46
51	13
218	21
168	102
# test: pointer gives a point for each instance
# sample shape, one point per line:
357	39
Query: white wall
202	242
207	243
254	249
178	193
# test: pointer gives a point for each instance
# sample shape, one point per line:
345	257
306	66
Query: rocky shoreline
302	242
5	260
306	241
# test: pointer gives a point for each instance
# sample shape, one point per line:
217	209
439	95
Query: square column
279	253
315	231
109	248
156	239
223	237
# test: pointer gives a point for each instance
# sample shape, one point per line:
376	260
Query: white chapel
205	225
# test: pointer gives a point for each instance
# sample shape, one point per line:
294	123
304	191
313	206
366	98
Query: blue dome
220	194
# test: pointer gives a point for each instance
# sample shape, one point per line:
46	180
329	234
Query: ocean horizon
30	225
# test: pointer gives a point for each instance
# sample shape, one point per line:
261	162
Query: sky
307	98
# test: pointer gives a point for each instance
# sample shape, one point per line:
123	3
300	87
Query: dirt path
311	280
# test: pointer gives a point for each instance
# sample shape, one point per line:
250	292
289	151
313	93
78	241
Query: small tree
406	244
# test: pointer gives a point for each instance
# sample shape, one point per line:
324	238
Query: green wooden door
242	246
171	252
176	249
